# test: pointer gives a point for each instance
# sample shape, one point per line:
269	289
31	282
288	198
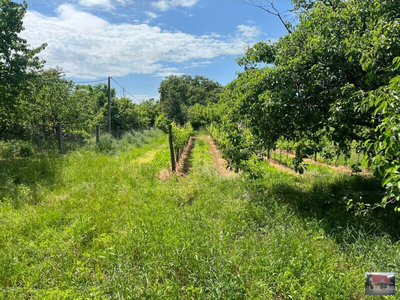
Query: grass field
92	225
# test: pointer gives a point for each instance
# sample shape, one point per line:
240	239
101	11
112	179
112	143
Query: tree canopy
311	83
178	94
17	63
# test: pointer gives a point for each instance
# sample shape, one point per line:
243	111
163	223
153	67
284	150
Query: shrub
106	143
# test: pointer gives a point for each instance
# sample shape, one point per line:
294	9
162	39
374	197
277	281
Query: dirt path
183	166
219	162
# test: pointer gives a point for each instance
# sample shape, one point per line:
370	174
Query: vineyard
103	225
283	184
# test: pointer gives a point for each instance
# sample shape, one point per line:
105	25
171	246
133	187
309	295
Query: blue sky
138	43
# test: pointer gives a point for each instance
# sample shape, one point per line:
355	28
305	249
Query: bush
25	149
106	143
16	148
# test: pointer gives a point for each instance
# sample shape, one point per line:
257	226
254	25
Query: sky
140	42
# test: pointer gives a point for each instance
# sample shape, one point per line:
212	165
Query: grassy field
93	225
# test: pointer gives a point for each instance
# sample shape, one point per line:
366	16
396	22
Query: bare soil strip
278	165
219	162
339	168
183	166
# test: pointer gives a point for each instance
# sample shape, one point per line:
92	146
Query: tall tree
177	94
17	63
311	82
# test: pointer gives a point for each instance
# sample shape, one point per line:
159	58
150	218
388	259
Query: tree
17	63
148	111
178	94
310	84
173	91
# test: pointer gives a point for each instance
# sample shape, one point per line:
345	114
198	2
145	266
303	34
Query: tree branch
273	11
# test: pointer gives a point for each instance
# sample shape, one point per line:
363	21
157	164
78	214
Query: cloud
198	64
97	3
249	31
168	71
151	16
89	47
165	5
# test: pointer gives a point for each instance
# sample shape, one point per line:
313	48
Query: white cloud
151	16
170	4
164	72
198	64
249	31
89	47
98	3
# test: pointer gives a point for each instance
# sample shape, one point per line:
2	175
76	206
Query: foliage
181	135
132	139
178	94
309	85
384	149
17	63
202	115
162	122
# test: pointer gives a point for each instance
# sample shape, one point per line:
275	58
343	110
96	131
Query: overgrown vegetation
106	227
325	81
97	222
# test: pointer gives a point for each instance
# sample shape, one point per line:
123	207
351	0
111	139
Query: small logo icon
380	284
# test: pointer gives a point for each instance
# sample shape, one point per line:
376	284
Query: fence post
287	154
59	136
97	134
171	148
109	106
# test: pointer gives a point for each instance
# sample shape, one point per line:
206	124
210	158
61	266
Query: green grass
105	227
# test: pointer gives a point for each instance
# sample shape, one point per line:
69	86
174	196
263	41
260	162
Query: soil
338	168
183	166
219	162
277	165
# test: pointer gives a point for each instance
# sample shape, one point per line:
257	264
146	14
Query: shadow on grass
25	179
325	200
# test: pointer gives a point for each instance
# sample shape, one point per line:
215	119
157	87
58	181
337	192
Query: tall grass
108	228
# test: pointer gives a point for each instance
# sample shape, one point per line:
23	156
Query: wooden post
171	148
59	136
118	132
287	154
109	106
97	134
